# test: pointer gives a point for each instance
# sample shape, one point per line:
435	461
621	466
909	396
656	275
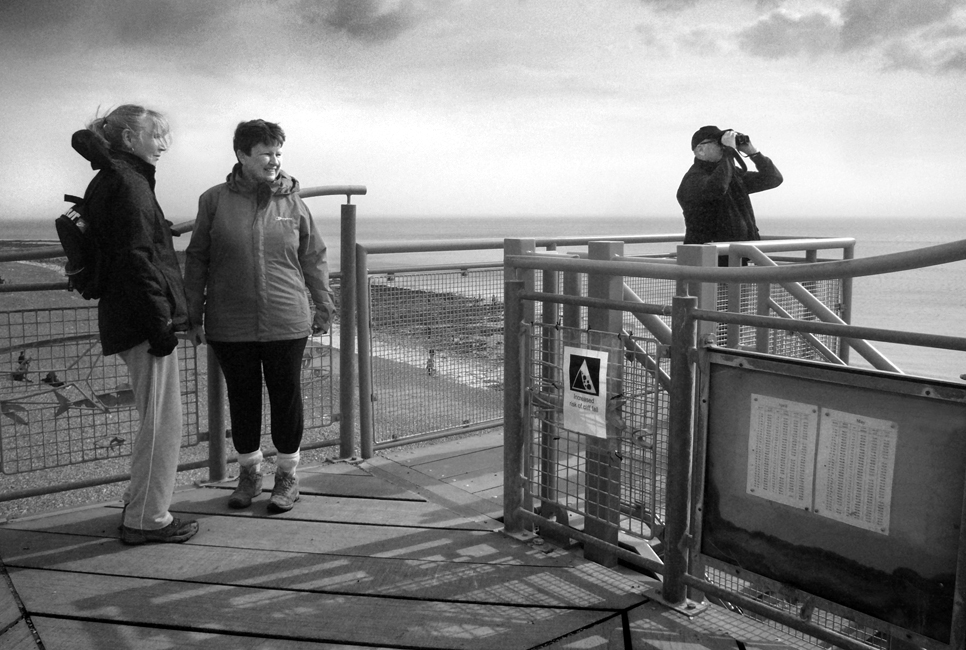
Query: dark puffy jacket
714	197
143	292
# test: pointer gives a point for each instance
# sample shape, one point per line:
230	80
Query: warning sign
585	393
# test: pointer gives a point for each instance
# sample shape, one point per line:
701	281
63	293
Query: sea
930	300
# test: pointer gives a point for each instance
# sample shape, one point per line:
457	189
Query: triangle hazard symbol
583	381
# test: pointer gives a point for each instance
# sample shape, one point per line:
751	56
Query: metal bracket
525	536
689	607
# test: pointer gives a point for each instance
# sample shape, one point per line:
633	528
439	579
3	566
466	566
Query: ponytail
110	127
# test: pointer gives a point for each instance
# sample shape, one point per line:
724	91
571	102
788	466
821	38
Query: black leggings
244	364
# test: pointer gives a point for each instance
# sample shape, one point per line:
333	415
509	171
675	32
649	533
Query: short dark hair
248	134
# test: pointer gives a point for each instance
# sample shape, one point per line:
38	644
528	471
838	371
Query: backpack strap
70	198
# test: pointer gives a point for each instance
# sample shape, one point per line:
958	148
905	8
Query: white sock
251	459
288	462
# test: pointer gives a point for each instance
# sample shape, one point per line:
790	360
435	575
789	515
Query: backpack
74	229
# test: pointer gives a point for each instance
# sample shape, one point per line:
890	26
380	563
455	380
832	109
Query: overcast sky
502	107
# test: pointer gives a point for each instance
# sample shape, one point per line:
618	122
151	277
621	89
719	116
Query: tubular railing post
734	301
680	446
347	338
763	334
848	253
603	488
549	453
217	448
957	630
705	292
365	353
571	313
514	429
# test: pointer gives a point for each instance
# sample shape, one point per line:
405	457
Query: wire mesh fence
437	350
617	472
783	304
62	402
846	623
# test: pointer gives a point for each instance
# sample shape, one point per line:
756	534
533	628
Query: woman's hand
196	335
320	324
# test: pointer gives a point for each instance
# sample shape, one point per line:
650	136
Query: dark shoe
285	493
249	487
175	532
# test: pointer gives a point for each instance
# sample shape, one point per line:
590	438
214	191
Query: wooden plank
484	460
102	521
19	637
491	503
577	584
290	534
459	501
70	634
447	449
9	607
336	479
478	481
363	487
303	616
340	509
335	468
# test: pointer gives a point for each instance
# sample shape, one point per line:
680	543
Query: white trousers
157	446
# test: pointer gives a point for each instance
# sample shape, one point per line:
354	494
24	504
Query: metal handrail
494	243
634	267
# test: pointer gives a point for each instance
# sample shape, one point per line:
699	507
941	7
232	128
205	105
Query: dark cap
705	133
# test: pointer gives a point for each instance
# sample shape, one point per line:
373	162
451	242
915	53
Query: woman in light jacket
253	253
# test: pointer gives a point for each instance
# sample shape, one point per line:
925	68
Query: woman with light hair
142	306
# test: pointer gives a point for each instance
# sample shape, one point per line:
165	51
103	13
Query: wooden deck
399	552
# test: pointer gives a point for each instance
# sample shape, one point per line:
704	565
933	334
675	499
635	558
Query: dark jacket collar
94	150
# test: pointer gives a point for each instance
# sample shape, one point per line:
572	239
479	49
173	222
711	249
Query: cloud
899	56
190	24
915	35
168	22
700	41
100	24
669	5
365	20
956	62
867	22
31	15
781	34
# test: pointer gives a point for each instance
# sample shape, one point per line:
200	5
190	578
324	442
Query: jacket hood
101	156
87	144
263	192
283	183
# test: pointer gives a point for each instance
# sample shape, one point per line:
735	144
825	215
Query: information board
839	465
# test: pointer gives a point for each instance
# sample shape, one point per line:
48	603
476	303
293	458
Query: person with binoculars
714	193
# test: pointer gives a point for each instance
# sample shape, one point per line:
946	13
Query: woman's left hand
320	324
196	335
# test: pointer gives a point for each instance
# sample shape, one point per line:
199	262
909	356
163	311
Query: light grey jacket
253	252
